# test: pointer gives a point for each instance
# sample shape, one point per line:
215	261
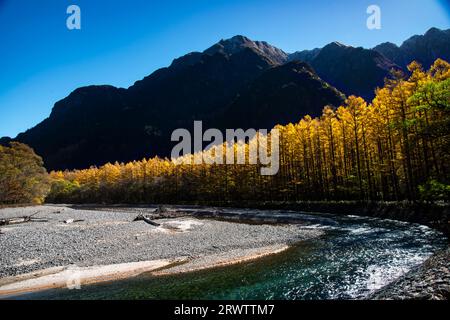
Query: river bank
433	215
95	242
429	281
103	243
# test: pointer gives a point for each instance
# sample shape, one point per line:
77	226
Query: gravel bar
111	237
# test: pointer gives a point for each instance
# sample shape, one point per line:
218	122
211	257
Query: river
354	257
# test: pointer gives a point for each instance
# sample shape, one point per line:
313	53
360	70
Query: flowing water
354	257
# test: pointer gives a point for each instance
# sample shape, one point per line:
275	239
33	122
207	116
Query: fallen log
147	220
10	221
7	222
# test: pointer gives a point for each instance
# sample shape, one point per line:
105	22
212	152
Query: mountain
356	71
392	52
235	83
100	124
359	71
295	86
305	55
435	43
237	43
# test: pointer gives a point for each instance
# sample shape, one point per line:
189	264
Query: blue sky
41	61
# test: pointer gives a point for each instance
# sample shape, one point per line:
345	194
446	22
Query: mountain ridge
426	48
236	81
99	124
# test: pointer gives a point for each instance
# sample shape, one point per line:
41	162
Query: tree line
394	148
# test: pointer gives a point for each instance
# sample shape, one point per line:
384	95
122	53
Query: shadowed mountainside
434	44
235	83
98	124
356	71
359	71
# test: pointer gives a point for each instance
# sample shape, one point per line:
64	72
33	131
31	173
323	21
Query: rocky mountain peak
238	43
434	31
337	44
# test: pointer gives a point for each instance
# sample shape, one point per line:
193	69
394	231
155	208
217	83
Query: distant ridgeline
237	83
396	147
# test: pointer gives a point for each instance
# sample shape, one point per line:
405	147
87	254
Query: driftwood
10	221
69	221
141	217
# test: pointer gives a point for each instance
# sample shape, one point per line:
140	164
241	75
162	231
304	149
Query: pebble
430	281
109	237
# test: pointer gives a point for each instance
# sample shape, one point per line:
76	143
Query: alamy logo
73	22
238	147
374	20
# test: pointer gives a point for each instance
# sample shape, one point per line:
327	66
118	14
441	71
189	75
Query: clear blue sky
41	61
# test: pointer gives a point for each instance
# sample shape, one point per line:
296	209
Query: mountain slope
359	71
78	126
99	124
305	55
356	71
294	86
435	43
235	83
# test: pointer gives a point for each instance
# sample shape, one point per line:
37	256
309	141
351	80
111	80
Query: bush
434	190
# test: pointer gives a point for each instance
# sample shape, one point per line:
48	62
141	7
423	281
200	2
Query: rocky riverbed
430	281
63	236
104	243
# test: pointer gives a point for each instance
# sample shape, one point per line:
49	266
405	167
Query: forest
395	147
